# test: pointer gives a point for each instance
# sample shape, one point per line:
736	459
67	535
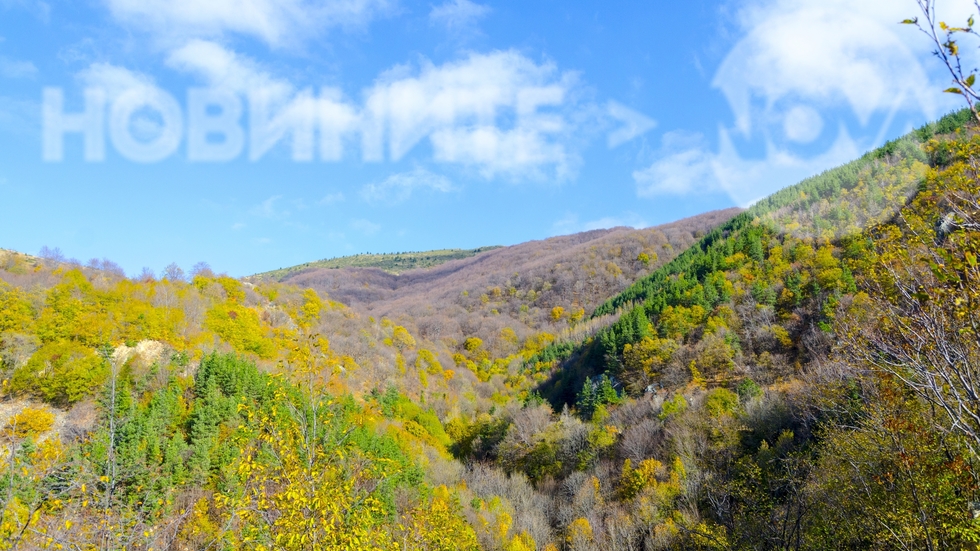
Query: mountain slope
792	381
517	287
392	263
827	210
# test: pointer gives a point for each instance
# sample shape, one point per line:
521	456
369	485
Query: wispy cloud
114	79
687	166
38	8
458	15
276	22
270	209
224	68
365	226
399	187
227	70
632	124
12	68
684	165
19	117
331	198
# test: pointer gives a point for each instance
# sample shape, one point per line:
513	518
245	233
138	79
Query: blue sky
420	125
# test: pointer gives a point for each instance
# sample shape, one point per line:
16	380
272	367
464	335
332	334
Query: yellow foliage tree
30	421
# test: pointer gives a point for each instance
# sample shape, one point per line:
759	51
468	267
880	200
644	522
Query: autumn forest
802	374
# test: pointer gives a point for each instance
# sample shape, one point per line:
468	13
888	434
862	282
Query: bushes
30	421
721	401
61	373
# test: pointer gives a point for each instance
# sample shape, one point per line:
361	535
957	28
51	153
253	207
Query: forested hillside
791	381
548	287
800	375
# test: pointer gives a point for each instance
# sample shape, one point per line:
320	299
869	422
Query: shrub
674	406
62	373
30	421
748	389
721	401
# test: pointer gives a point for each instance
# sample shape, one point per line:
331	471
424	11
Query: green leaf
953	90
969	22
913	21
970	80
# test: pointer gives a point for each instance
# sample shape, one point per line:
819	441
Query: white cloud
500	113
632	124
801	72
828	53
684	165
687	166
223	68
365	226
238	226
114	80
12	68
399	187
331	198
803	124
277	22
150	133
748	180
458	14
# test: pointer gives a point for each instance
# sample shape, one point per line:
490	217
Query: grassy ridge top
394	263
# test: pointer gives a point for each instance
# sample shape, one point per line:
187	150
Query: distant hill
393	263
548	285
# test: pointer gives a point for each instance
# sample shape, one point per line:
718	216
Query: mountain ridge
393	263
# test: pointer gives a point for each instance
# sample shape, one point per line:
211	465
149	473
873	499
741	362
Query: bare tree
146	275
921	322
202	269
173	272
